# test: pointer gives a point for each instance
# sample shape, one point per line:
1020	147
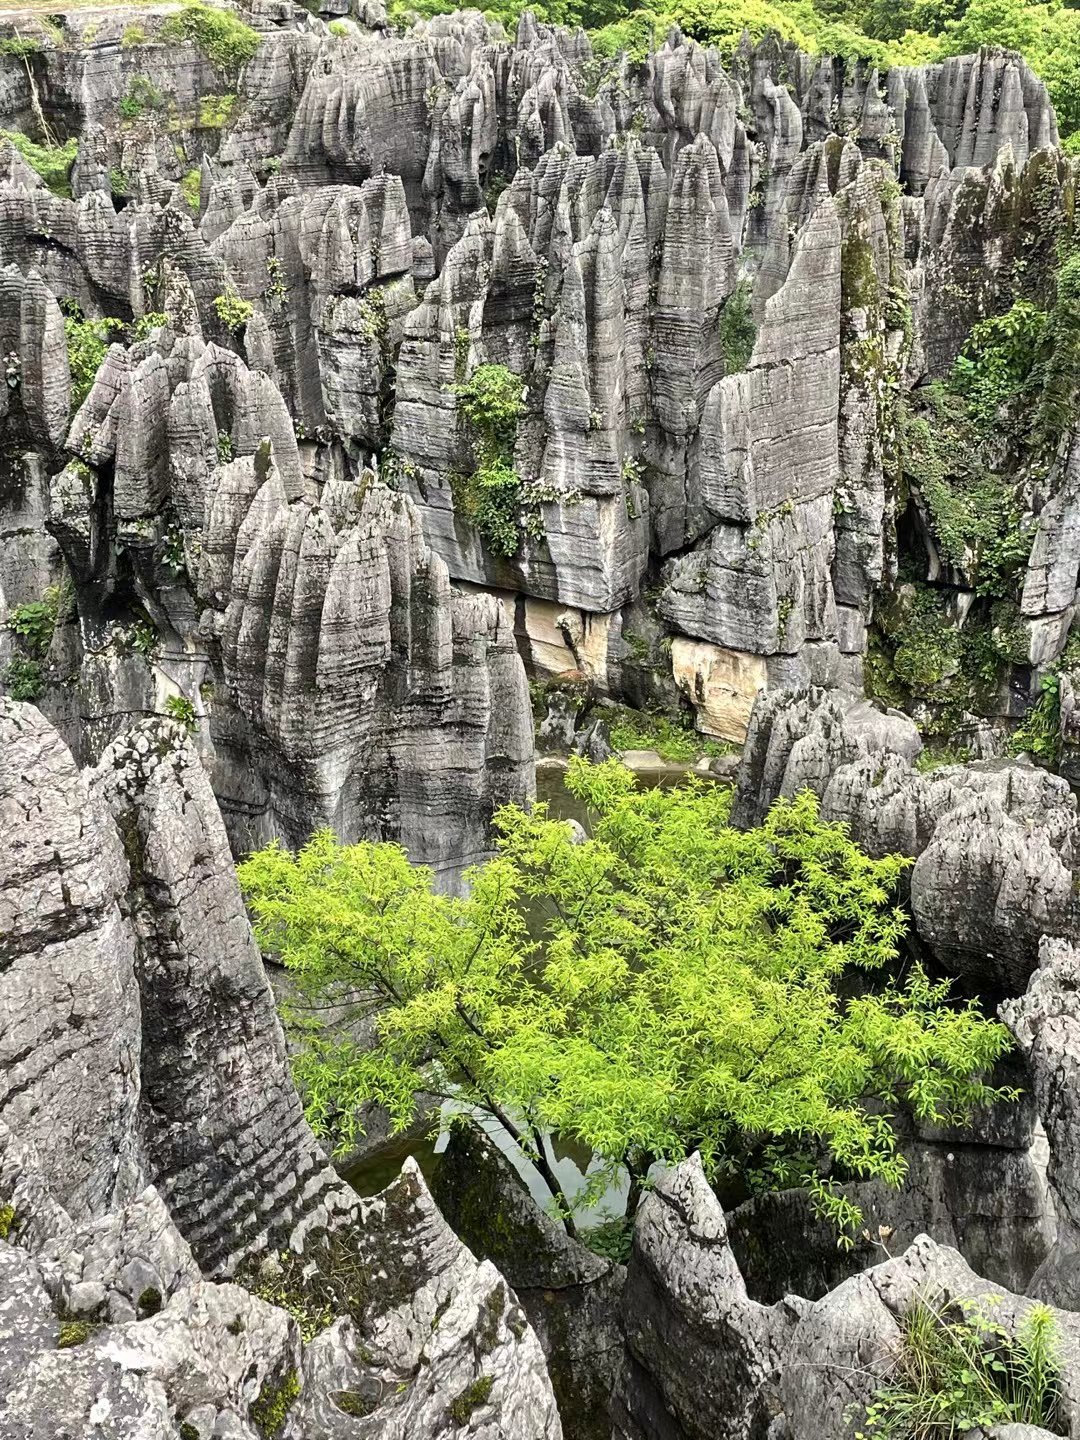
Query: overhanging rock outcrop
152	1143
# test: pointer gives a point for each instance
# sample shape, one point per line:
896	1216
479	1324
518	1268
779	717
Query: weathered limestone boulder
1046	1023
570	1294
223	1133
70	1039
994	842
704	1360
151	1142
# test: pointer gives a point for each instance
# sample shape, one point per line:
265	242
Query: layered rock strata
152	1143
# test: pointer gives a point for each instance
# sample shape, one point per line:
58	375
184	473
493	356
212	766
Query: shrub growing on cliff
490	403
222	36
52	162
668	985
87	344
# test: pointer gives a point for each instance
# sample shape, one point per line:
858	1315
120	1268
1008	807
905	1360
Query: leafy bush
683	990
613	1238
142	95
87	344
959	1370
24	678
133	35
20	46
222	37
180	708
215	111
52	162
642	730
33	623
191	189
997	358
737	329
233	312
1039	733
491	402
149	322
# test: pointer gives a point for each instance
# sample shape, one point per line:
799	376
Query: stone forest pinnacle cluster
355	380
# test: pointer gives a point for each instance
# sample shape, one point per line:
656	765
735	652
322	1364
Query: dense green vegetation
490	403
972	446
670	984
88	341
226	41
32	624
887	32
52	162
959	1370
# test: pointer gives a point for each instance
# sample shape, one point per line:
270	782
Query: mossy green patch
52	162
75	1332
470	1399
275	1400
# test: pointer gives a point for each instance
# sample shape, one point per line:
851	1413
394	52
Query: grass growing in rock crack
957	1369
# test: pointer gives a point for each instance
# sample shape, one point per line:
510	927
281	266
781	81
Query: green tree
668	985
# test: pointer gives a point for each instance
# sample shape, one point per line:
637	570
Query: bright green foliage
87	344
149	322
958	1370
180	708
52	162
33	623
643	730
737	329
1039	733
75	1332
275	1400
142	95
133	35
20	46
635	36
24	678
215	111
340	29
935	757
223	38
191	188
7	1220
491	402
997	358
679	991
233	312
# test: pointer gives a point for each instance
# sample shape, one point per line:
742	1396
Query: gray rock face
570	1295
704	1357
151	1142
705	278
1046	1023
994	842
702	1354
